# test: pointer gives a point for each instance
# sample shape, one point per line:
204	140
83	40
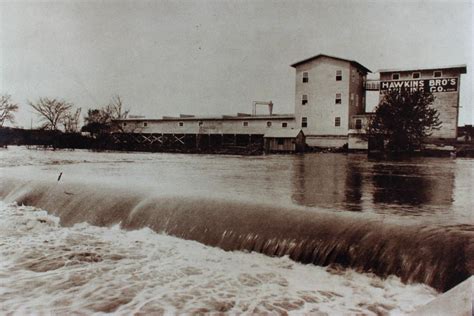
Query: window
200	123
269	124
337	121
124	124
338	75
304	122
281	141
304	99
305	77
416	75
358	124
284	124
437	74
245	124
181	123
395	76
338	98
145	124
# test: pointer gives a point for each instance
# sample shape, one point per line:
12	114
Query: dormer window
304	99
305	77
416	75
437	74
338	75
395	76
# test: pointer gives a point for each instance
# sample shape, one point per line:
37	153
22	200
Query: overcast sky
215	57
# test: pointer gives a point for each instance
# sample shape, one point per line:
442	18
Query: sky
213	57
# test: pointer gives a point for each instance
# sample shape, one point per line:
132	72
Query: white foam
46	268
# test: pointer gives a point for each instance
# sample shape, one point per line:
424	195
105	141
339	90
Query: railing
372	85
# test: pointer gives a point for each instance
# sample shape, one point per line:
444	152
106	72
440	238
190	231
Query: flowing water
173	233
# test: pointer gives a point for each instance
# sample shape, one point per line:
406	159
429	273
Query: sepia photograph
236	157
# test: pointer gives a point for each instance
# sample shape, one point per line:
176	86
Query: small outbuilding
284	140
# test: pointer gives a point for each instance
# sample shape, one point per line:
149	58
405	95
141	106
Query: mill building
329	110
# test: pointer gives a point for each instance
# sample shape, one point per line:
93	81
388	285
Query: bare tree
101	120
7	108
71	121
51	111
115	108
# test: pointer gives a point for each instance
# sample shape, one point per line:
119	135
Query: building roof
282	133
212	118
462	68
353	62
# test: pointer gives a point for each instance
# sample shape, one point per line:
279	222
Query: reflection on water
429	189
354	183
353	190
320	180
411	185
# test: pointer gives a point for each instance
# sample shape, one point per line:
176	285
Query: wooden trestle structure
185	142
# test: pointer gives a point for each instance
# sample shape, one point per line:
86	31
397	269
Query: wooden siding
294	144
207	126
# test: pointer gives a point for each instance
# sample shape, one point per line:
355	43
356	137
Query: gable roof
282	133
353	62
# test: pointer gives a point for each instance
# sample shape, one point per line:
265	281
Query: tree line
402	119
60	115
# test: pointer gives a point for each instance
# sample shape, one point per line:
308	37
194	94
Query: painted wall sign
432	85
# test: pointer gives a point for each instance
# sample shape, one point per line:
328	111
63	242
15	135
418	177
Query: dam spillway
369	224
439	257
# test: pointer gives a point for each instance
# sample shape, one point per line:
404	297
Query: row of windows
269	124
338	100
337	121
417	75
304	122
338	76
395	76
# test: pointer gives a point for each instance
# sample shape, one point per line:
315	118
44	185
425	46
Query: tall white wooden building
329	91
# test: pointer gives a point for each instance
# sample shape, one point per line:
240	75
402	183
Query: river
174	233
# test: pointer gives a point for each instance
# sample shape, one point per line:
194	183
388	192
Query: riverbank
205	145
